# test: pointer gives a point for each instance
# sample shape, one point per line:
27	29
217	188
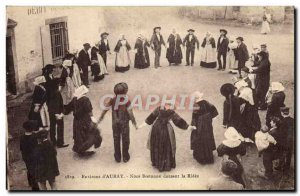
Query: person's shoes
192	64
219	69
223	69
187	65
118	159
126	159
62	146
87	153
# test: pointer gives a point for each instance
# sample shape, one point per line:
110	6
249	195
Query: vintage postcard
150	98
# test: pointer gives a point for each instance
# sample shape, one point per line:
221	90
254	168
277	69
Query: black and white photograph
150	98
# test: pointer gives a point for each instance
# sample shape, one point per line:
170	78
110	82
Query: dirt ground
165	80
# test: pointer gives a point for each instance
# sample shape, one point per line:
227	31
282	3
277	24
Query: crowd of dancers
56	96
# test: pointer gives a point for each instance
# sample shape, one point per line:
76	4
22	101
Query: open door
11	85
46	45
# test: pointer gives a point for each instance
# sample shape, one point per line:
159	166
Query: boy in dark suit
242	54
156	42
84	62
28	143
190	42
222	48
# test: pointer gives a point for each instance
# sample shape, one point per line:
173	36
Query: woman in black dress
85	132
231	107
39	108
232	148
202	138
141	60
249	113
174	54
162	142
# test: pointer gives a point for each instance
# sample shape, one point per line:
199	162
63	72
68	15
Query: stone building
39	35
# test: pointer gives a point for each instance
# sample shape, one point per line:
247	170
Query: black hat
227	89
223	30
285	110
240	38
121	88
49	67
105	33
30	125
87	45
191	30
229	167
156	28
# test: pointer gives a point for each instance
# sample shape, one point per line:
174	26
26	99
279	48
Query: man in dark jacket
222	47
104	47
155	43
287	125
242	54
190	42
262	81
84	62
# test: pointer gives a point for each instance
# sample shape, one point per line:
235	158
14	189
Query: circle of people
54	97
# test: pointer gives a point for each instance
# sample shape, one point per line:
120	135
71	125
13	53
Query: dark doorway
10	68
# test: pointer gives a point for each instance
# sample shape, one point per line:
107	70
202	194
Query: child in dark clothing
46	162
121	115
28	143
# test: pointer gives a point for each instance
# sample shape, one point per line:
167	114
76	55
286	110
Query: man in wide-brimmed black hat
104	46
190	41
84	62
232	115
242	54
222	48
156	42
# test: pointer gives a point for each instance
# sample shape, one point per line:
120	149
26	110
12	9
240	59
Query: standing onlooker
273	151
95	66
262	80
56	109
265	25
242	54
46	161
84	62
190	41
28	143
174	54
208	55
288	125
39	108
66	85
231	59
222	48
141	60
202	139
275	100
249	113
231	107
264	48
104	47
122	55
156	42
